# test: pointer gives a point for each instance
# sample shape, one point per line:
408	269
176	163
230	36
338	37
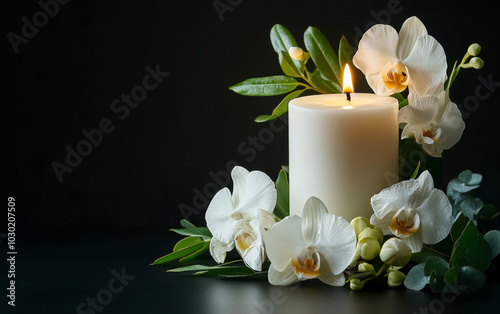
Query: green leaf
186	242
493	239
345	52
265	86
465	176
399	97
322	54
224	270
194	232
196	253
323	84
437	265
458	227
416	279
283	201
288	66
281	108
203	267
415	173
471	249
179	253
471	206
464	280
187	224
282	40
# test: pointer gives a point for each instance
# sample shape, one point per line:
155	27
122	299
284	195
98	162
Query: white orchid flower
413	211
434	121
391	61
316	245
242	217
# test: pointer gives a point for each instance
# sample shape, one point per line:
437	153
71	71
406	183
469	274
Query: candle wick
348	95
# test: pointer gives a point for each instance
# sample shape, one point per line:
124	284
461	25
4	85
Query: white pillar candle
342	152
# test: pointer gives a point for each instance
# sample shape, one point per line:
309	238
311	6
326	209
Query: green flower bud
356	284
359	224
395	278
364	267
296	53
395	252
372	233
368	248
477	63
474	49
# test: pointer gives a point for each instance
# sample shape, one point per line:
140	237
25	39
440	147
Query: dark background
66	77
160	157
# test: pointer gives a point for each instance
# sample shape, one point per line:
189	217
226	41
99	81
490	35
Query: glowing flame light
347	81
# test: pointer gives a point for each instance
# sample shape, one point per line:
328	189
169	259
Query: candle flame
347	81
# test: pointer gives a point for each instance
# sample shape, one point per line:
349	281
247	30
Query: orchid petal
254	257
282	239
383	223
437	219
282	278
260	193
218	216
218	250
239	176
376	48
412	29
312	215
425	184
452	125
420	111
427	66
329	278
414	241
336	235
391	199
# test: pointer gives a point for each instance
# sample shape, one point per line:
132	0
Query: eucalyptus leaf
437	265
458	227
265	86
179	253
322	54
493	239
416	279
464	280
283	200
281	108
193	232
465	176
471	249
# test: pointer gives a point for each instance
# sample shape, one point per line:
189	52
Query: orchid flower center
405	222
395	76
244	240
431	133
306	263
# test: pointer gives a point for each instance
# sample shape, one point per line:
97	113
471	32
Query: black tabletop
112	275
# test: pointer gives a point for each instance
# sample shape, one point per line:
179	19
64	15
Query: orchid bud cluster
394	253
